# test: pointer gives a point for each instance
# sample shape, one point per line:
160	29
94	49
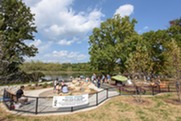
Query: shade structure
120	78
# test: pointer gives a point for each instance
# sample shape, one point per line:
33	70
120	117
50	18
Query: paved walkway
36	93
44	104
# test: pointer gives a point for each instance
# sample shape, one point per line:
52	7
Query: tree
139	60
138	63
107	43
173	64
156	47
16	27
174	31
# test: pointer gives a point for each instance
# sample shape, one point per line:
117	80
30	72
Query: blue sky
64	26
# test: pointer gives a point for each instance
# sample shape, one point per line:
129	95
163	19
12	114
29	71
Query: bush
50	84
32	88
45	85
40	85
29	85
36	84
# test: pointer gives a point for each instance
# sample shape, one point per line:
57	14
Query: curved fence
40	105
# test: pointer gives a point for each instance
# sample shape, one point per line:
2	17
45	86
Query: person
129	82
103	78
64	88
57	88
54	85
20	94
62	83
87	79
93	78
108	78
98	82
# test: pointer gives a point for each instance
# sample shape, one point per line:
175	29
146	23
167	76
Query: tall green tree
174	31
156	47
139	61
172	66
172	57
16	27
107	43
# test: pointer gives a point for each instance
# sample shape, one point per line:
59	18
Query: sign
70	101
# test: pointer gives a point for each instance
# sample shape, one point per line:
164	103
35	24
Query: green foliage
32	88
116	46
29	85
45	85
139	59
66	67
16	27
174	30
107	43
172	59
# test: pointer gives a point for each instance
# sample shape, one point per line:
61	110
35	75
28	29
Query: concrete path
36	93
44	104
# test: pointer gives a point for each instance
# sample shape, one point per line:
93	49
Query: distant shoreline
63	72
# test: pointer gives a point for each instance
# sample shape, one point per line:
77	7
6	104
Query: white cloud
68	42
65	56
59	26
56	20
125	10
31	2
62	56
36	43
144	29
65	42
42	46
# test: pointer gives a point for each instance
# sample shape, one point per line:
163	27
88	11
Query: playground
40	101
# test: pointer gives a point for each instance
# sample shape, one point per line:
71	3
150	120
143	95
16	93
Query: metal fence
40	105
146	90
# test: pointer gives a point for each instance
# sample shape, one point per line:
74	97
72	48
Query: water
66	77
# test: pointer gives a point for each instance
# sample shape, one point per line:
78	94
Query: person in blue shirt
65	89
98	82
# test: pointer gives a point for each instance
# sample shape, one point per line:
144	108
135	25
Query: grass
121	108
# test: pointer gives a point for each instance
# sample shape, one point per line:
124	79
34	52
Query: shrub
32	88
50	84
40	85
36	84
29	85
45	85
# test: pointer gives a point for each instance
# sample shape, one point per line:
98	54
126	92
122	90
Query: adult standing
93	78
98	82
103	78
108	78
55	84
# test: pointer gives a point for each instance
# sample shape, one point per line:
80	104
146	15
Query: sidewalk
36	93
44	104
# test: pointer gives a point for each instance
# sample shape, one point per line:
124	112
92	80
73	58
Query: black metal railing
40	105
